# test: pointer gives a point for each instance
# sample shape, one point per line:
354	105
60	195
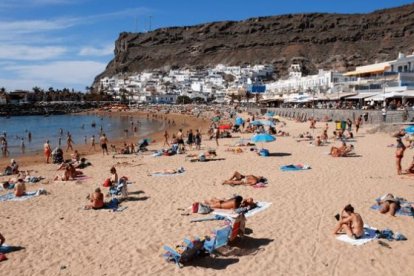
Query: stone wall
374	116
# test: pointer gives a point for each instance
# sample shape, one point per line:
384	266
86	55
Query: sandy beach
292	237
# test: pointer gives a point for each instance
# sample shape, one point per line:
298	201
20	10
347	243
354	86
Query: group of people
399	153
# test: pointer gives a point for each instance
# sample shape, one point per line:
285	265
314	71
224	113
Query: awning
369	69
361	96
381	97
336	96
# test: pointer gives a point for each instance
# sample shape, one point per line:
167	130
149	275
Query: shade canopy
410	129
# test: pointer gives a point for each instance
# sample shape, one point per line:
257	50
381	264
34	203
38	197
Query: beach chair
226	234
183	253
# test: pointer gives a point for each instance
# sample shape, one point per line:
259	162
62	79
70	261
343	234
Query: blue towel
403	211
292	167
12	197
114	205
8	248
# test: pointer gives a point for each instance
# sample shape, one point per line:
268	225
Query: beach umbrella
262	138
262	123
410	129
239	121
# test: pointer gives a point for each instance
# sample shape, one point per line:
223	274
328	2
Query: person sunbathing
231	203
19	188
96	199
168	171
350	222
389	205
239	179
341	151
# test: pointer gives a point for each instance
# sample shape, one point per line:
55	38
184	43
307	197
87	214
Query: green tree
183	100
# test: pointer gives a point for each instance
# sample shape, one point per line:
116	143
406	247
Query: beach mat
12	197
369	235
261	206
292	167
166	174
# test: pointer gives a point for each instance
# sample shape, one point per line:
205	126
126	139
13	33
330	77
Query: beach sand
292	237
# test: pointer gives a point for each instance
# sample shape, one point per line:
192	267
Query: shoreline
182	121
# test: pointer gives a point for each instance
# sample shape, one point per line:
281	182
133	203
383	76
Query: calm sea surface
43	128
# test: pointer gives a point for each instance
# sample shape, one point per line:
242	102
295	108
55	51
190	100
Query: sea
81	127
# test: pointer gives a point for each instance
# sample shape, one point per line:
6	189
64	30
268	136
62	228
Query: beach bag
204	209
107	183
264	152
202	158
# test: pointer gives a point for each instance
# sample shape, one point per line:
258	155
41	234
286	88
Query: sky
66	43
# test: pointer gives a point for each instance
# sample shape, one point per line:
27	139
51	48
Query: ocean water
48	128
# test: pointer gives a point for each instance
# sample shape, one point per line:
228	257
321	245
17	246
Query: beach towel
292	167
261	206
114	205
179	171
12	197
369	235
404	210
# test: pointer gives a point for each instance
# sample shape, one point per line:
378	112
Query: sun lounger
369	235
261	206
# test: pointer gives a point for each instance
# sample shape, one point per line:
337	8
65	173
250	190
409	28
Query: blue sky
66	43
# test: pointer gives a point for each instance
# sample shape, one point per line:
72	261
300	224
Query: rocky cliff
316	40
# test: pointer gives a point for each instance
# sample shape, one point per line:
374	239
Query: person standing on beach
166	137
190	138
22	145
217	135
180	139
104	144
358	123
197	139
93	142
60	141
47	151
69	142
399	154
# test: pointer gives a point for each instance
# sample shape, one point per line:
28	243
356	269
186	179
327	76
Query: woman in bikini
399	154
389	205
231	203
47	151
239	179
350	222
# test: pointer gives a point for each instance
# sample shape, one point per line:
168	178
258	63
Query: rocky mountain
316	40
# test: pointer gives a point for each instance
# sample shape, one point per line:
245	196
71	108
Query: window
400	69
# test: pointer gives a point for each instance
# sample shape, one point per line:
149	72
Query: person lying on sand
239	179
96	199
168	171
349	222
19	188
389	205
231	203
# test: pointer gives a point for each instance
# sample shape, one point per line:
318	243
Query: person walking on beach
47	151
104	144
399	154
93	142
166	137
69	143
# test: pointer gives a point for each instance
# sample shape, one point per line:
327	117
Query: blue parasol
239	121
263	138
410	129
263	123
